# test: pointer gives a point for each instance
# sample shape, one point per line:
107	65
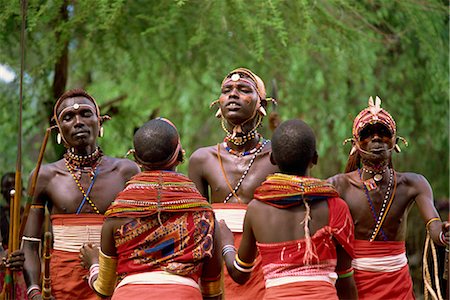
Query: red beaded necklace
79	164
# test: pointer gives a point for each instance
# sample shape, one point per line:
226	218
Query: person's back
380	199
77	191
300	226
159	232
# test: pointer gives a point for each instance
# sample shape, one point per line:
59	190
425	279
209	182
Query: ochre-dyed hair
72	94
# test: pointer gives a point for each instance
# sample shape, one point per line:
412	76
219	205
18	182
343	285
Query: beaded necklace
241	140
234	190
237	153
386	205
76	165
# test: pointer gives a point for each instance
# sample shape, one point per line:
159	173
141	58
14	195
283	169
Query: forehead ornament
235	77
76	106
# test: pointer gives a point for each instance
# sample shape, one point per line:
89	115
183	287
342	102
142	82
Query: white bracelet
228	248
32	288
31	239
239	268
93	271
442	238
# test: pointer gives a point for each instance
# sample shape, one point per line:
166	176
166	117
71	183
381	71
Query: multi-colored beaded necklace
237	153
234	190
79	164
241	139
385	206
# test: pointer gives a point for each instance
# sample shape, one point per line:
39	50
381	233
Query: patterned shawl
172	227
151	192
283	191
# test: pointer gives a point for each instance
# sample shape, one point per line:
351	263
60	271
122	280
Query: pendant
378	177
370	184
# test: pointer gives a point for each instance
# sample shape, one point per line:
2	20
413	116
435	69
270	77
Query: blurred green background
320	59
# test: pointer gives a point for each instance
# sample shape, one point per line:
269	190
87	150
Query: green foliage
168	58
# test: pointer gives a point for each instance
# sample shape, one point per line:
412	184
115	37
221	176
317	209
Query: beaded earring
58	138
100	134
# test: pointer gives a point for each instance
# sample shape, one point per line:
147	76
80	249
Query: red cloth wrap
66	273
382	285
307	290
286	258
156	291
254	288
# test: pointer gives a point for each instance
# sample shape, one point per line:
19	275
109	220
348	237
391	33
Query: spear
15	204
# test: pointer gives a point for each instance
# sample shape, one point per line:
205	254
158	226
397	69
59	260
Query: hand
14	261
445	231
226	234
88	255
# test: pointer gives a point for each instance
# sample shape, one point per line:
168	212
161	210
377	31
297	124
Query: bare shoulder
340	179
412	180
202	154
48	171
124	166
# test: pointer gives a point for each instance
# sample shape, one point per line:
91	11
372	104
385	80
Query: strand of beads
80	187
245	172
241	140
83	160
237	153
378	174
378	218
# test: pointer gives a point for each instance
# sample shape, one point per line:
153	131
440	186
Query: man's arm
210	280
195	173
439	231
345	284
247	249
31	239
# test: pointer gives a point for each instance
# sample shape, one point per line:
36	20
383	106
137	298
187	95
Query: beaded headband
371	115
247	76
77	106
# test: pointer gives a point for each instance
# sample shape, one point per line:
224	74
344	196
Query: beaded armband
37	206
345	273
106	280
243	266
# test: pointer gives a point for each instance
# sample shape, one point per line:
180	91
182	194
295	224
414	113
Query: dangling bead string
237	153
86	195
233	191
93	176
375	233
387	201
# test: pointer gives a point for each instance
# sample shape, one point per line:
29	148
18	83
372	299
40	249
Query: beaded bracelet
346	274
228	248
93	271
33	290
431	221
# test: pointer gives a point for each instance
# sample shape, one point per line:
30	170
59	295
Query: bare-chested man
228	173
77	190
380	199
